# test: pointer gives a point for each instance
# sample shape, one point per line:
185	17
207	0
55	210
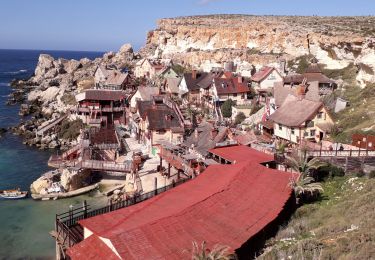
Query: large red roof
227	204
93	248
241	153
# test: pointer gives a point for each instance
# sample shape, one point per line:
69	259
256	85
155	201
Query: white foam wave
14	72
2	84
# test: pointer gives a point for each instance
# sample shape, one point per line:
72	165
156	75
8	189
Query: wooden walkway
106	166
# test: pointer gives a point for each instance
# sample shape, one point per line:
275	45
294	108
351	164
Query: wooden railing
341	153
106	166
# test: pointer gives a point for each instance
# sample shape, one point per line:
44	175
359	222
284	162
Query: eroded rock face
206	41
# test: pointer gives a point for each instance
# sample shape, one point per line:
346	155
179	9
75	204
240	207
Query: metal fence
71	217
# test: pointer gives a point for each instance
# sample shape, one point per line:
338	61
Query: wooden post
173	183
359	151
346	164
84	209
70	215
169	170
350	152
156	186
320	151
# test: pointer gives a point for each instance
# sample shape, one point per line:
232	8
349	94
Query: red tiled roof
262	74
101	94
230	86
241	153
227	204
93	248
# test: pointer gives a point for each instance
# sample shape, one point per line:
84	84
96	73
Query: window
235	95
292	131
306	134
312	132
309	123
320	115
280	127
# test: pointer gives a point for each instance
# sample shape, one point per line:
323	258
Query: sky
103	25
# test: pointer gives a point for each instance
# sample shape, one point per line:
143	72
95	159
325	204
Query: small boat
13	194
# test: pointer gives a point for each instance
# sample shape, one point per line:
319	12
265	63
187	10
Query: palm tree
305	185
301	164
218	252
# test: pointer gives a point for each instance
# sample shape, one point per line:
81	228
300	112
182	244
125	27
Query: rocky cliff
50	92
206	41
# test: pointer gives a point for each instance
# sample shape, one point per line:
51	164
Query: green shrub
359	174
68	99
70	130
371	175
226	108
240	117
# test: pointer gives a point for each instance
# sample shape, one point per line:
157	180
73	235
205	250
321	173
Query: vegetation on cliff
339	226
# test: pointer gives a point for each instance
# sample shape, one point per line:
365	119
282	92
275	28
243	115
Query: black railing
71	217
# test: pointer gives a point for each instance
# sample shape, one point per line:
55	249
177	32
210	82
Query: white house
265	78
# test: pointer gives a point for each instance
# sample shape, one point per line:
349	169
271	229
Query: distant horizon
96	26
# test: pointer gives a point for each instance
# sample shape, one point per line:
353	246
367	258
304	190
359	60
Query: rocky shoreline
49	94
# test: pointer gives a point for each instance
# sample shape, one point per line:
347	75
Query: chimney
240	79
194	74
301	92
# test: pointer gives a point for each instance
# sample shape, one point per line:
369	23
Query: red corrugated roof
93	248
227	204
241	153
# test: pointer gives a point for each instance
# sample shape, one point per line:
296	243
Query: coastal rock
39	185
45	63
2	131
49	94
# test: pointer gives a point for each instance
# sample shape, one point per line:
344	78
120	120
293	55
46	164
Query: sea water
25	224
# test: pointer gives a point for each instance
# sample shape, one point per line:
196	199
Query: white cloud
204	2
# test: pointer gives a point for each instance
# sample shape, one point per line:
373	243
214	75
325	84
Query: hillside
340	226
206	41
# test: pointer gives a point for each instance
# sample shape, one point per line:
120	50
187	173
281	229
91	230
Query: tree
305	187
303	165
226	108
240	117
218	252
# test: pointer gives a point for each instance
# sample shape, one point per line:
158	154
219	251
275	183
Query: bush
70	130
359	174
226	108
240	117
371	175
68	99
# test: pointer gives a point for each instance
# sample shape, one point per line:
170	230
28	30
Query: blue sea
25	224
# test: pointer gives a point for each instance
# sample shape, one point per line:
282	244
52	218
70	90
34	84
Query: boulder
39	185
45	63
126	49
72	65
49	94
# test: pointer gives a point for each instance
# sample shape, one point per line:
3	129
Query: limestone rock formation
208	41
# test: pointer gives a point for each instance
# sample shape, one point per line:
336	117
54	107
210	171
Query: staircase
41	130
